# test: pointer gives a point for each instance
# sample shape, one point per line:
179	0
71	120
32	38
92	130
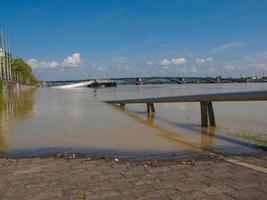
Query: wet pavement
210	177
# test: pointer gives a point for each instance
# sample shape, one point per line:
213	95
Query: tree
22	72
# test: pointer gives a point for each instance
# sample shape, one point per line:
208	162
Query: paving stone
188	196
248	193
100	179
213	190
222	197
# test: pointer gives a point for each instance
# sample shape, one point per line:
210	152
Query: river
48	120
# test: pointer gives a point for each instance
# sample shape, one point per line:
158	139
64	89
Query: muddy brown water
48	120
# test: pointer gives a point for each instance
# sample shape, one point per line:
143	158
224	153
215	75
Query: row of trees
22	72
18	71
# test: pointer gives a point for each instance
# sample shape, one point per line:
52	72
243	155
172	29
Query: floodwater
48	120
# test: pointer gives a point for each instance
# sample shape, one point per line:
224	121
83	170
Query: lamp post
1	56
8	59
4	55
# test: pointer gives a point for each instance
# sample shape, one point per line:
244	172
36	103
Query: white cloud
227	46
72	60
207	60
102	68
200	60
36	64
33	62
52	64
173	61
178	61
165	62
254	62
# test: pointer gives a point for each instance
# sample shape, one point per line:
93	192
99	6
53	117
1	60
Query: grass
257	138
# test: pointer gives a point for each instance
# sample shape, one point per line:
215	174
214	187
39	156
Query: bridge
184	80
205	100
168	79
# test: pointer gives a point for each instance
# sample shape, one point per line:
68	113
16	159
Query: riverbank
211	177
9	86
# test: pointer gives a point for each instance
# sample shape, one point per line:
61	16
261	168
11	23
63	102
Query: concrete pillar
147	108
207	114
204	114
150	108
211	115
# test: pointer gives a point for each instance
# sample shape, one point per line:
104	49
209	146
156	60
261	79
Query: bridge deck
207	112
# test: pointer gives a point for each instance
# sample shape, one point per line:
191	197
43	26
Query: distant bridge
167	79
183	80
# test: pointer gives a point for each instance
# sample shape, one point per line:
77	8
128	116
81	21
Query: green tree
22	72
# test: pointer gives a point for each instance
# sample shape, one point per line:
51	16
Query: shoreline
134	157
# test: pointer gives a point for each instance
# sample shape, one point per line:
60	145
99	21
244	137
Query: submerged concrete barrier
205	100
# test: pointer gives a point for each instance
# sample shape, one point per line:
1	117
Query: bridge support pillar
211	115
207	114
147	108
150	108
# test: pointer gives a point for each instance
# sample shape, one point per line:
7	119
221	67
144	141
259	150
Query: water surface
51	120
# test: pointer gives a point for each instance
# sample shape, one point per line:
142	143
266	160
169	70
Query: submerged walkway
207	178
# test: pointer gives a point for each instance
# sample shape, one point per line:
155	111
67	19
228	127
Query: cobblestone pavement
209	178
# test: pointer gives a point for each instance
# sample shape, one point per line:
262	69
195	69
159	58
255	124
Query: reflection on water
14	106
50	120
207	136
163	131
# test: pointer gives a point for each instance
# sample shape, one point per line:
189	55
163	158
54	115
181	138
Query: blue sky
79	39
